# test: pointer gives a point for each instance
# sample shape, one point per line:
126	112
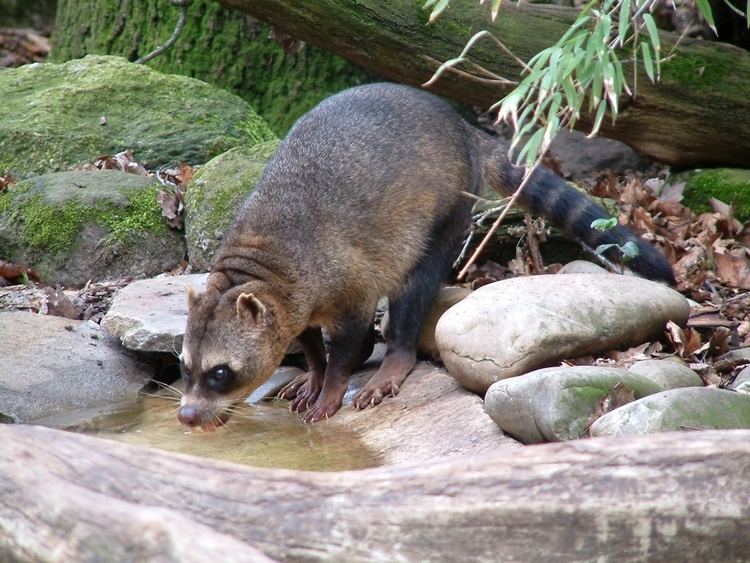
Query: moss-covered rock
218	45
215	195
75	226
730	185
56	116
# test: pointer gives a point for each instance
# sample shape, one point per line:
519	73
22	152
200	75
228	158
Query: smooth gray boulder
150	315
581	267
741	383
557	404
517	325
72	227
215	195
691	408
52	365
669	374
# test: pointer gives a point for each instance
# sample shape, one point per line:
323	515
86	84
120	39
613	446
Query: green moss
50	116
726	184
55	227
142	214
217	45
696	71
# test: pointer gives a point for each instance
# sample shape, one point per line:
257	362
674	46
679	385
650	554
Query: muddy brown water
266	435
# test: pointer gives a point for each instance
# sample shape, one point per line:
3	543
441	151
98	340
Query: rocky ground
96	216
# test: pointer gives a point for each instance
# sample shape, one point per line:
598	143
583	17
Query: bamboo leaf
653	33
648	64
601	110
624	22
705	9
438	9
530	150
442	68
495	8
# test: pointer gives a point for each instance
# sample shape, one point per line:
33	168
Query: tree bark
217	46
698	114
677	497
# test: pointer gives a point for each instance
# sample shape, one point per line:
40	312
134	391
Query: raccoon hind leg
409	308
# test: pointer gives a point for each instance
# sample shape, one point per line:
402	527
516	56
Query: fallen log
698	114
678	497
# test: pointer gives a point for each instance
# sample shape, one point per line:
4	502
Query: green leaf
530	150
604	224
705	9
442	68
571	94
495	8
653	33
600	111
438	9
629	250
648	64
602	248
624	21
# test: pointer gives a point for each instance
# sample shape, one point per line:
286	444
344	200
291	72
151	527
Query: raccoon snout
188	415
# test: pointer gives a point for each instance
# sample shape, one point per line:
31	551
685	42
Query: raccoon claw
320	411
304	399
291	389
372	395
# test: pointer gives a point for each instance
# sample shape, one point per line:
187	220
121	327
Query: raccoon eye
220	378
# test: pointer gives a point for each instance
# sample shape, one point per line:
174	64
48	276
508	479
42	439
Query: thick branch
700	113
678	497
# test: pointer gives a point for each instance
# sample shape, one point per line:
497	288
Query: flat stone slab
431	418
691	408
52	365
518	325
150	315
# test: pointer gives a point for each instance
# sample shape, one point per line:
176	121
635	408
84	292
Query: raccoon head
231	346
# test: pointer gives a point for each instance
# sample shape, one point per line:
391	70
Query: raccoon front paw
290	390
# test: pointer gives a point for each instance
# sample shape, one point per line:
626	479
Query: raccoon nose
188	415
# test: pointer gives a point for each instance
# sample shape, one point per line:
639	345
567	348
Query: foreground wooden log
699	113
676	497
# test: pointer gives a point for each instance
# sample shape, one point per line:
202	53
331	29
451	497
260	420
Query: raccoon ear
251	309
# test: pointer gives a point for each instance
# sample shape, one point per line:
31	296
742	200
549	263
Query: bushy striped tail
549	195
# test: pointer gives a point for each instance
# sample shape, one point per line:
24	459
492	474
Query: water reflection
266	435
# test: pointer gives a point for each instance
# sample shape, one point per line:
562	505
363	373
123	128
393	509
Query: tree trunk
217	46
699	113
677	497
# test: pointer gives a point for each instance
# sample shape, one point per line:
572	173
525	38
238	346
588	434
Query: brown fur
363	200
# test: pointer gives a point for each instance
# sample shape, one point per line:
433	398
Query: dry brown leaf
59	305
733	267
14	271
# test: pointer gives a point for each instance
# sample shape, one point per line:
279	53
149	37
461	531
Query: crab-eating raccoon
364	199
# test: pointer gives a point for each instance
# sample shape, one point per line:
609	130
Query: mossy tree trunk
217	45
698	114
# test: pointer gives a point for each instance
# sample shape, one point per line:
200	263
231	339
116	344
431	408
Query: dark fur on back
364	199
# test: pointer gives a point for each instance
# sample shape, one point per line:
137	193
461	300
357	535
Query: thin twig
499	220
531	238
183	5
